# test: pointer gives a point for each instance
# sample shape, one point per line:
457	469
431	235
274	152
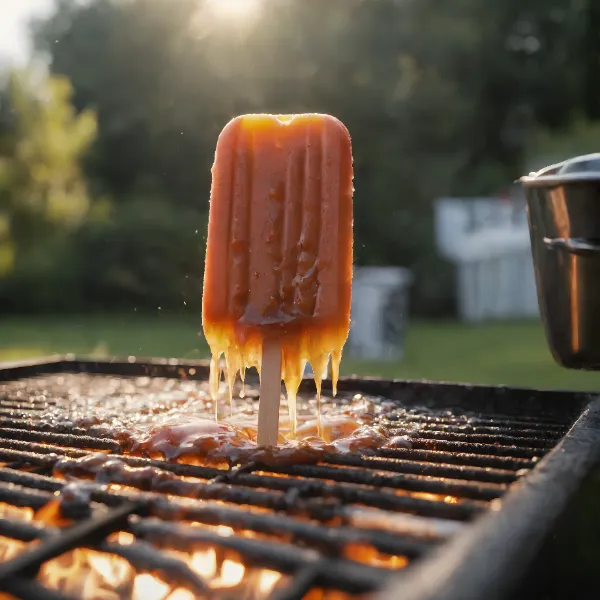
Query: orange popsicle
278	270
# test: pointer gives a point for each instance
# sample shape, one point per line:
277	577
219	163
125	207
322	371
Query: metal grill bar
432	469
27	409
29	589
330	536
402	482
146	558
74	441
33	481
298	494
23	497
400	502
16	414
497	441
533	438
26	450
402	523
141	555
474	448
398	465
263	523
414	483
25	531
346	575
510	431
34	405
296	499
459	458
48	455
300	585
179	509
27	564
450	460
89	442
38	426
523	422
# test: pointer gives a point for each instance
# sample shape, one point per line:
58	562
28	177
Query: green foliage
147	256
546	147
144	256
42	188
40	175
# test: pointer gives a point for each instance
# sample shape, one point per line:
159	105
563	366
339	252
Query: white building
488	240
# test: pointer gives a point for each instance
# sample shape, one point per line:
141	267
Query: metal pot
563	208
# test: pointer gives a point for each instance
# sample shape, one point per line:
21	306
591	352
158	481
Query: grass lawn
511	353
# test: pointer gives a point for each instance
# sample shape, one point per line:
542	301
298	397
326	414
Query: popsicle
278	273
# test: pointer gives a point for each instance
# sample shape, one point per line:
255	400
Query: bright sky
15	46
14	16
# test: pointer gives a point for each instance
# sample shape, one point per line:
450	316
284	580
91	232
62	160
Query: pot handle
578	246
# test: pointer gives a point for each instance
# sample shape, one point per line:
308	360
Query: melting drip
207	443
315	345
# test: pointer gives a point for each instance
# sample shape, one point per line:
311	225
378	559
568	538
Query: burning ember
92	575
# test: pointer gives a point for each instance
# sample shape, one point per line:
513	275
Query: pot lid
580	168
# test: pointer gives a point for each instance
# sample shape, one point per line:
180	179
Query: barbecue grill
493	496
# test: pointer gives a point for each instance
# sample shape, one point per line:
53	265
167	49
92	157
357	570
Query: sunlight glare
233	9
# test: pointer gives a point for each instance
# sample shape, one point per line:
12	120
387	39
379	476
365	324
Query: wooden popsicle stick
270	393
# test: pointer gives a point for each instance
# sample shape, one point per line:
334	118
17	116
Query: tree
440	97
42	187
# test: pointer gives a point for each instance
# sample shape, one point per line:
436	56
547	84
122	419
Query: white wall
488	240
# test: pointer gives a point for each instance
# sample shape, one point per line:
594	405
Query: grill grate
300	520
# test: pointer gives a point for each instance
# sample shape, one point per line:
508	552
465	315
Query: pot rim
535	180
550	176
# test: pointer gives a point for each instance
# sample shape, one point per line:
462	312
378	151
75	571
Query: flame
122	537
88	574
390	562
93	575
317	594
181	594
51	514
371	556
148	587
21	513
114	569
426	496
205	563
224	531
232	573
267	581
10	548
64	572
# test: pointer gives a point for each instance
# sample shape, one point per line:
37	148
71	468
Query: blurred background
109	115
